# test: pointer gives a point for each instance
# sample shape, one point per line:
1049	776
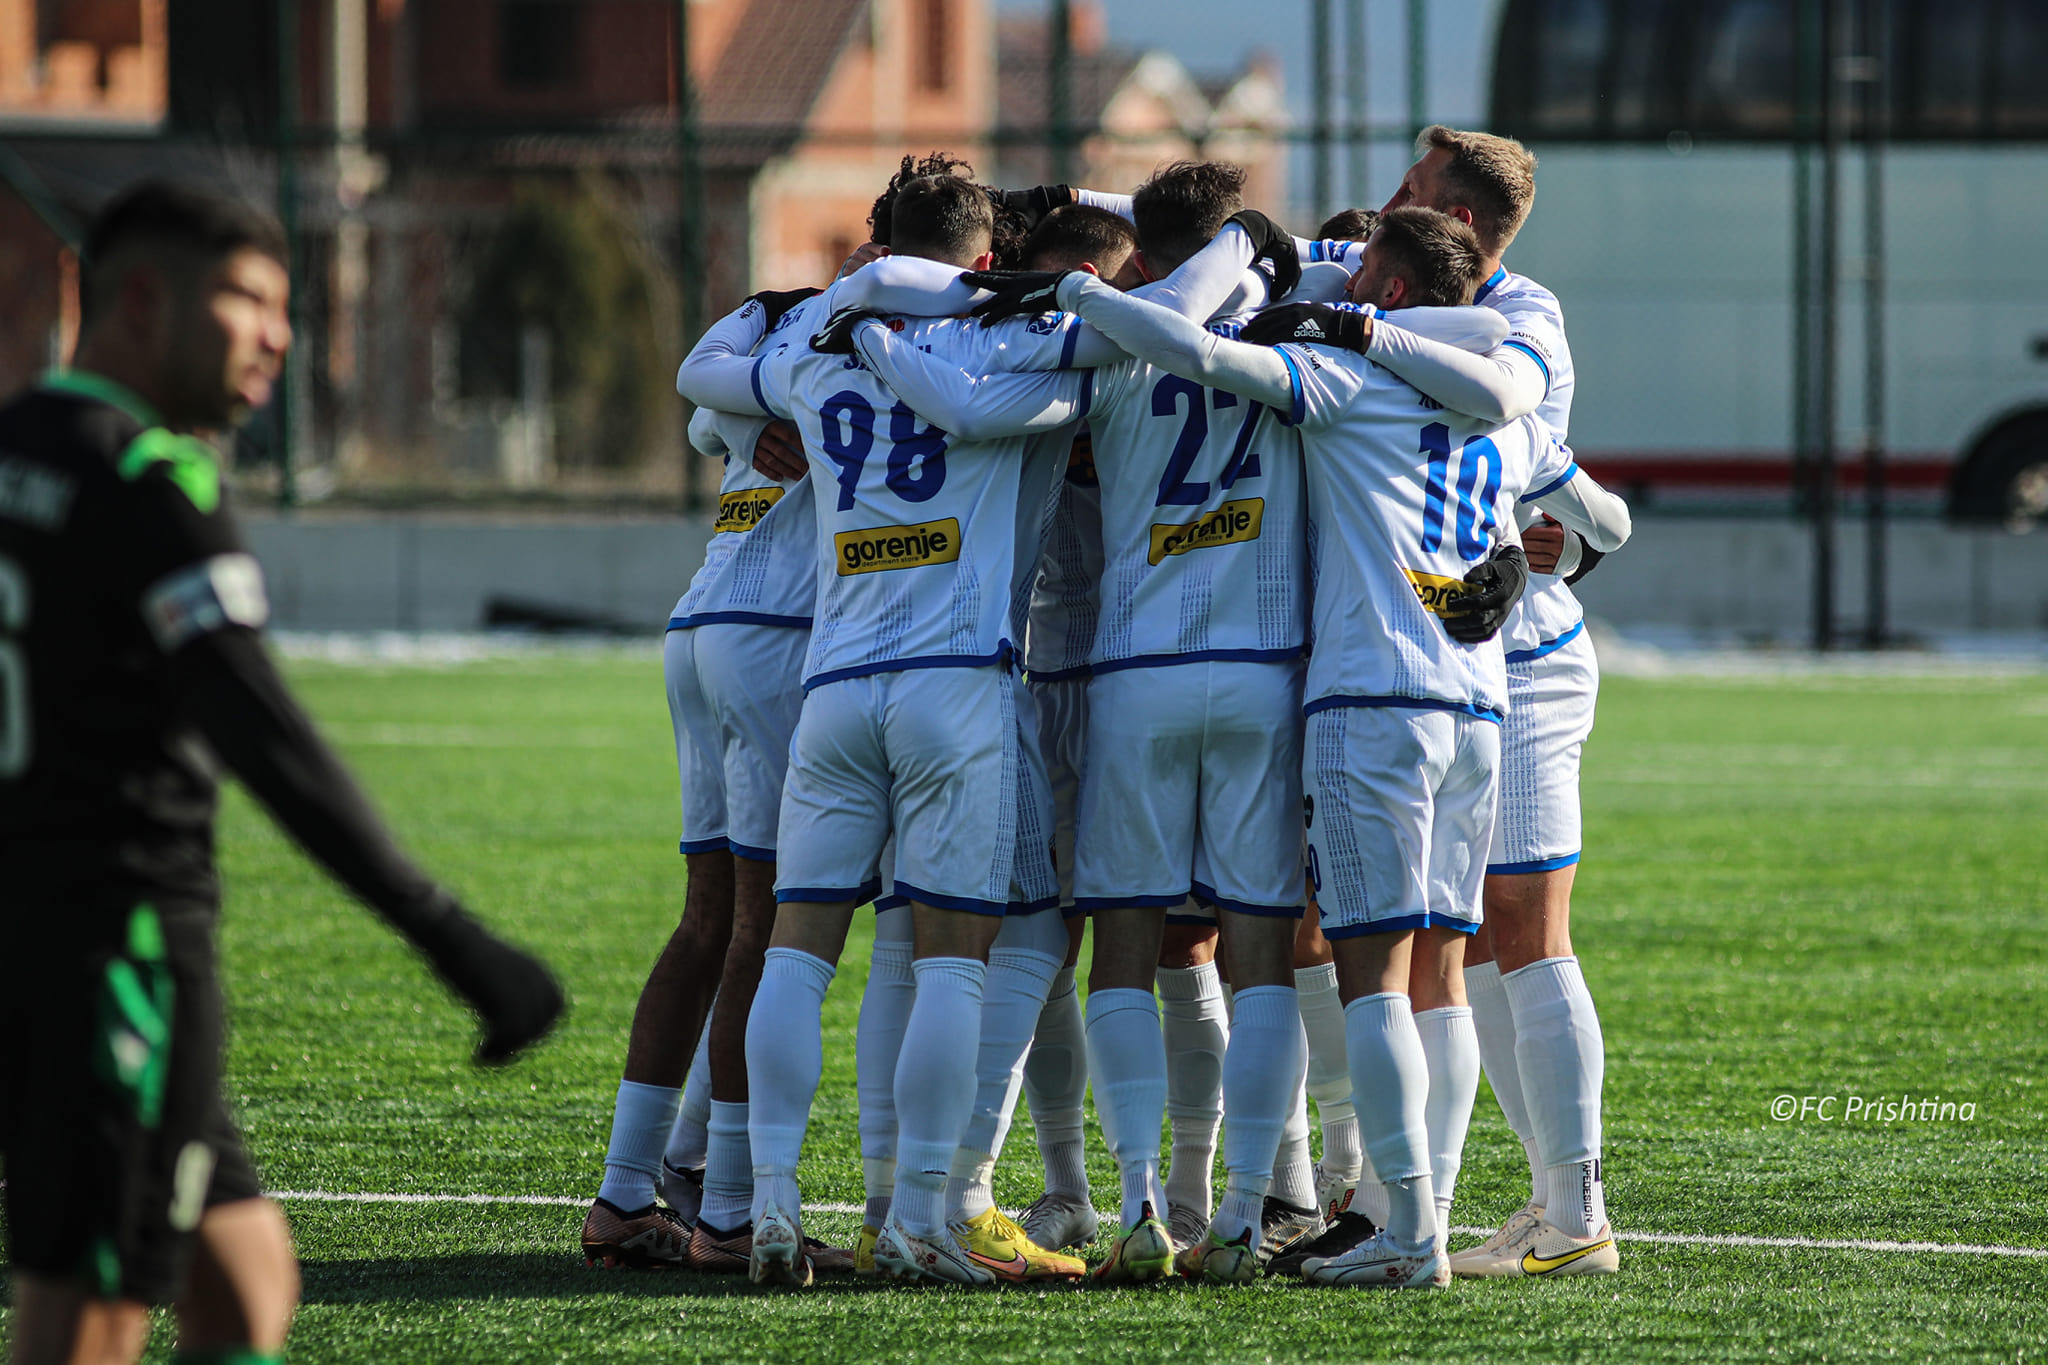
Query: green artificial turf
1807	885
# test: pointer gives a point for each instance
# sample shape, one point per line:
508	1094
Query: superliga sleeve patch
226	590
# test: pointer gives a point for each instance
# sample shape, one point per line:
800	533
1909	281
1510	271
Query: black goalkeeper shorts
114	1137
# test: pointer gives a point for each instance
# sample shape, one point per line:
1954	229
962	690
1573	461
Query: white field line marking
1662	1238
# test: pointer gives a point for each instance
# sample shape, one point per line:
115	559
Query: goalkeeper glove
1321	323
1497	585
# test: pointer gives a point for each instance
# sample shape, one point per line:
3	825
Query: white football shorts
1191	784
1400	807
1062	738
1550	714
938	756
733	696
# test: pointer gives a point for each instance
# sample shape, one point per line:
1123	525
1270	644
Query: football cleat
1501	1254
1060	1221
1334	1193
1284	1226
992	1239
716	1251
776	1255
1214	1261
1557	1252
1380	1262
902	1255
653	1238
1140	1256
683	1188
864	1250
1344	1232
1188	1224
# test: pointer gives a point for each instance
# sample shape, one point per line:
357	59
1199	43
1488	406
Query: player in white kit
1400	754
1533	1023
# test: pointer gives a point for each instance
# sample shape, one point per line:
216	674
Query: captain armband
226	590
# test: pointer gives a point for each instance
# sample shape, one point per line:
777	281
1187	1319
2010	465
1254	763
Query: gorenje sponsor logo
898	547
1438	594
1231	524
742	511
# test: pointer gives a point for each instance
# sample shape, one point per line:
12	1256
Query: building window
1643	70
538	42
935	51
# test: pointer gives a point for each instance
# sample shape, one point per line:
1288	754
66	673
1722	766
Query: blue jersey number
917	458
1175	488
1475	516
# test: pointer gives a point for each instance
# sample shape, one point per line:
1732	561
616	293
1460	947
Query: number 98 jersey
918	530
1404	498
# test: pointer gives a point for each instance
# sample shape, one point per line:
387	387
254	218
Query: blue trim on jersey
1043	903
754	378
1086	904
1001	656
1053	675
1522	656
1526	349
717	845
1555	484
1428	919
1493	282
1198	656
1540	865
737	618
1207	895
830	895
1463	708
1087	393
1067	347
750	853
967	903
1300	409
891	901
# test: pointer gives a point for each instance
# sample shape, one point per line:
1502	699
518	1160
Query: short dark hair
1437	255
942	217
1182	206
1348	225
198	224
1068	236
913	168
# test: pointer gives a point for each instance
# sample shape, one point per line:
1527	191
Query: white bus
1664	223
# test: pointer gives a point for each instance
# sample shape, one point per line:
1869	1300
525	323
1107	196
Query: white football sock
884	1010
1056	1084
1451	1052
687	1139
1127	1064
1371	1196
1261	1077
1329	1074
935	1087
785	1058
1197	1036
1563	1059
728	1168
1010	1002
1388	1072
1294	1170
1494	1023
642	1116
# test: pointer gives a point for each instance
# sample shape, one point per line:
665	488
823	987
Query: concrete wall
1753	577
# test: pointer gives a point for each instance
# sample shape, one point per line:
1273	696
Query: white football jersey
1549	613
918	531
1405	497
758	566
1066	588
1203	512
